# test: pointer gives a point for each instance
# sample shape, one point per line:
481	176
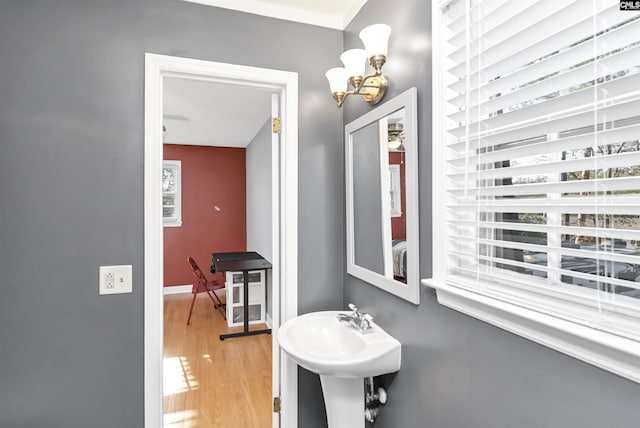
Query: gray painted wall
259	192
71	164
458	372
259	236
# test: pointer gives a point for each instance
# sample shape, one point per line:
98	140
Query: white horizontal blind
542	154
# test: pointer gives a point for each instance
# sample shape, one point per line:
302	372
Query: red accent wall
399	224
211	177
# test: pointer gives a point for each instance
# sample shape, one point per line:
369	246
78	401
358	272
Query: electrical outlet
109	280
115	279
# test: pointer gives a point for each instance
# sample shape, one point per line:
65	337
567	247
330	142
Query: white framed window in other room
536	172
172	193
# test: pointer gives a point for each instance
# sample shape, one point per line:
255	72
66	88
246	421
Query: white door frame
285	219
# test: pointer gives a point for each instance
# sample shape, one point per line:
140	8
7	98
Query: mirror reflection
397	197
382	197
379	197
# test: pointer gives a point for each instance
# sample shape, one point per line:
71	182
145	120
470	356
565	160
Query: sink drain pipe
374	399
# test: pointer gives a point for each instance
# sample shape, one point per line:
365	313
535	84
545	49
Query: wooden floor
209	383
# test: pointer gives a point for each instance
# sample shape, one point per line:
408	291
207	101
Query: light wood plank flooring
209	383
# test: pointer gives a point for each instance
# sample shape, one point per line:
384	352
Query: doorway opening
284	219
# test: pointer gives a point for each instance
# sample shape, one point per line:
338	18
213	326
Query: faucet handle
366	321
356	311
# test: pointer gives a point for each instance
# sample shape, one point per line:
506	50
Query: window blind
541	152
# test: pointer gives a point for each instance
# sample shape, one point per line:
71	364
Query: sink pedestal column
344	401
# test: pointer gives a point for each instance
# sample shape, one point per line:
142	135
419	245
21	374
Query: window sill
173	224
607	351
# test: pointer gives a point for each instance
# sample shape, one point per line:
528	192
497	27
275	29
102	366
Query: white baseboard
185	289
268	321
178	289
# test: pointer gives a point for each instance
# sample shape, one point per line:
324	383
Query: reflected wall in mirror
382	197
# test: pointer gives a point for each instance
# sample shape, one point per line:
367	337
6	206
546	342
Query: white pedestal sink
343	357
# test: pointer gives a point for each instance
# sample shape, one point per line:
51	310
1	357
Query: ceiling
205	113
325	13
218	114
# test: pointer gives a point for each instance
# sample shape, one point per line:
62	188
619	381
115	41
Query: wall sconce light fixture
373	86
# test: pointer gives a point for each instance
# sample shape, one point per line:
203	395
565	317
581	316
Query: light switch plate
115	279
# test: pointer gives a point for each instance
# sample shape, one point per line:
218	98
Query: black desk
244	262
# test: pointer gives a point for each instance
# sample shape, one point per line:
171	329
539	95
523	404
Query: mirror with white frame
382	197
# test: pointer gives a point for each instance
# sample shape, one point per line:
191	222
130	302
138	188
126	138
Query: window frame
176	220
508	307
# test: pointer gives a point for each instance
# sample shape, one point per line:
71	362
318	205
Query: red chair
202	285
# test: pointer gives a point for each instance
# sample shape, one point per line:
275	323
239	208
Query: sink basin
320	343
343	357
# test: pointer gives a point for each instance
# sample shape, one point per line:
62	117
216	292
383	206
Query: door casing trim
285	255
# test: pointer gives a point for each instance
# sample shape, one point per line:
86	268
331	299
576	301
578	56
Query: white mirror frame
411	290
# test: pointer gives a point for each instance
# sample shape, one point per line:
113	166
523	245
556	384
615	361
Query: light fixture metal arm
371	87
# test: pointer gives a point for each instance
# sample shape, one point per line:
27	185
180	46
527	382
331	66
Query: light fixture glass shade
376	39
394	142
337	78
355	61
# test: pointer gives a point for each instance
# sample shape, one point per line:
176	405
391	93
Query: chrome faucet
356	319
